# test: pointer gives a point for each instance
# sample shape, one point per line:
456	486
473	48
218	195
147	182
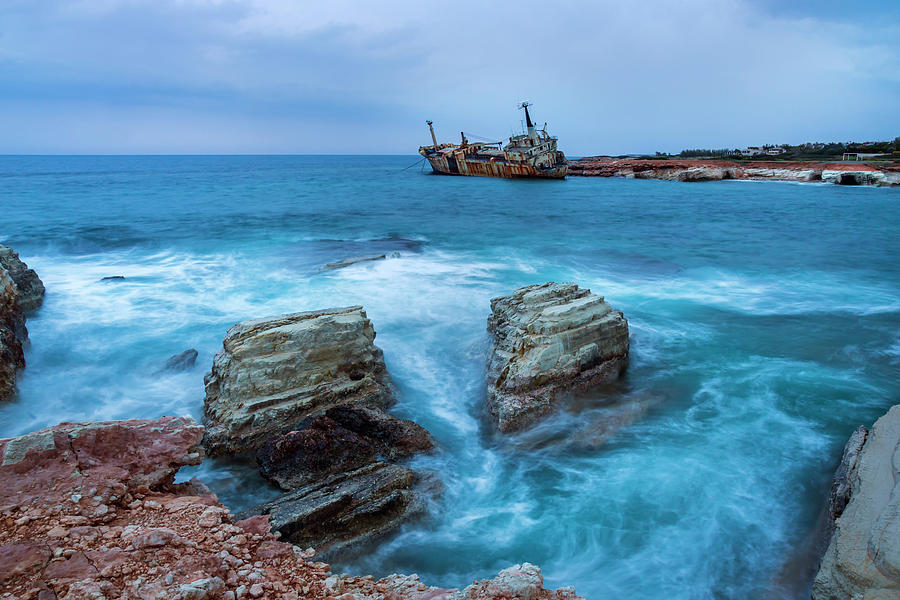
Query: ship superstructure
531	154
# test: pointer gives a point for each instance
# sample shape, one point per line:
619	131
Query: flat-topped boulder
273	373
30	293
549	338
863	556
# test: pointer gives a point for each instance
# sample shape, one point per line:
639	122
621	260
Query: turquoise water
765	320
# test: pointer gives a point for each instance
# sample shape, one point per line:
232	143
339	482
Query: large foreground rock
30	288
274	373
863	556
548	338
88	510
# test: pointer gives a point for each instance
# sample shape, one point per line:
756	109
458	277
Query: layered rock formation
89	510
306	390
717	170
20	291
30	287
863	556
273	373
548	338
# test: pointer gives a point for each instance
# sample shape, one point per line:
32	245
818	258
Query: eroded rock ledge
549	338
863	556
20	291
89	510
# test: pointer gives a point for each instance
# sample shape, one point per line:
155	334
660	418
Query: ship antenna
531	132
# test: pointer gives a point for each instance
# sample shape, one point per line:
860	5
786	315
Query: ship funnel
531	132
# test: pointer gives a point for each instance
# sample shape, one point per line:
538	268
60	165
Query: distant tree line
807	150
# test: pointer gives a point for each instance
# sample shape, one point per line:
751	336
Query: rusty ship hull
460	163
532	154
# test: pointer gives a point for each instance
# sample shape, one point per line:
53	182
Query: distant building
751	151
775	151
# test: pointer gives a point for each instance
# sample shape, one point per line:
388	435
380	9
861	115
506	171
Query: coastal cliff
863	555
90	510
20	291
843	173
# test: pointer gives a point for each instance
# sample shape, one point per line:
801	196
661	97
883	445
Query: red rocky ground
90	511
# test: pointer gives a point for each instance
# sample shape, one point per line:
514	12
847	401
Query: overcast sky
336	77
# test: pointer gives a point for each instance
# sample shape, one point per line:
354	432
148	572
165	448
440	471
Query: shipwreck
531	154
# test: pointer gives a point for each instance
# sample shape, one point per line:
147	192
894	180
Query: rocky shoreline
90	511
843	173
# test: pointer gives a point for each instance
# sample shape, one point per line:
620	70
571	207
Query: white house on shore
760	150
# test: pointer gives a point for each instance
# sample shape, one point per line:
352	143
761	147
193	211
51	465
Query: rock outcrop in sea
549	338
862	559
90	510
30	288
273	373
20	291
306	391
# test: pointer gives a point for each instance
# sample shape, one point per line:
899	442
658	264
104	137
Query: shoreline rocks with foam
862	559
718	170
549	338
90	510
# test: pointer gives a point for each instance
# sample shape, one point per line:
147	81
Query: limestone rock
547	338
31	289
346	509
273	373
12	334
342	439
352	261
863	556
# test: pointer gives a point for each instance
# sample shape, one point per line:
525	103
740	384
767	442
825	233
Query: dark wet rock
343	439
273	373
30	288
183	361
12	335
550	338
352	261
113	278
862	559
345	510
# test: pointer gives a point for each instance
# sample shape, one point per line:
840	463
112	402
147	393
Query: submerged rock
863	556
113	278
89	511
30	293
548	338
342	439
182	361
274	373
352	261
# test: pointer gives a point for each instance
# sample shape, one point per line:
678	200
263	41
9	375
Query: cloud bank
281	76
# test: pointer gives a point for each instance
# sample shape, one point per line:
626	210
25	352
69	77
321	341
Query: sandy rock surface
30	287
549	338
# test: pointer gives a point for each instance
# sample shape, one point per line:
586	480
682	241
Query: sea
764	320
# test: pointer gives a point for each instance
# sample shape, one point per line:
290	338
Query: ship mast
433	139
531	132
